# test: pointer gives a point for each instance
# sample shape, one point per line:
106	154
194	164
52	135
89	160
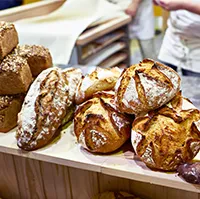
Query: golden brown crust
99	127
99	80
146	86
167	136
38	57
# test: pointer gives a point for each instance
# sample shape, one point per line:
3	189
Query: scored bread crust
146	86
100	79
98	126
168	136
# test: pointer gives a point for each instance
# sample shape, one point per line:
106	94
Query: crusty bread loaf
115	195
45	107
15	75
98	126
8	38
168	136
99	80
38	57
9	108
146	86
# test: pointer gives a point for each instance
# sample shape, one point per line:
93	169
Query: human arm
133	7
180	5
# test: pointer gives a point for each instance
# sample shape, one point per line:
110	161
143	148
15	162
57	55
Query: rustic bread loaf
38	57
146	86
8	38
45	107
15	75
99	80
168	136
10	106
98	126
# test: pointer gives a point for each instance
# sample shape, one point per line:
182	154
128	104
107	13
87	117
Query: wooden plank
56	181
29	178
102	29
8	180
84	184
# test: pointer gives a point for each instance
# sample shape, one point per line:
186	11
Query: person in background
142	26
181	43
4	4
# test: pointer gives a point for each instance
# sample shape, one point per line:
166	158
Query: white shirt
181	44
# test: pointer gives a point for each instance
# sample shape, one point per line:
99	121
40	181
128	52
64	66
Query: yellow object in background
30	1
157	11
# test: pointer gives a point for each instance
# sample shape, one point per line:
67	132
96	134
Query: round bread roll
99	127
100	79
115	195
146	86
168	136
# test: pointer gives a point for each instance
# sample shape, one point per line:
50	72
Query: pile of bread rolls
18	66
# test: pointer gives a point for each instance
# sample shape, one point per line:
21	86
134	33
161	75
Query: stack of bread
19	65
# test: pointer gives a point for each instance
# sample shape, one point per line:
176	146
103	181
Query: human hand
132	8
171	4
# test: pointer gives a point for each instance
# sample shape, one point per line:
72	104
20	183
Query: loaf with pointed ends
8	38
99	80
46	105
115	195
38	57
10	106
15	75
168	136
99	127
146	86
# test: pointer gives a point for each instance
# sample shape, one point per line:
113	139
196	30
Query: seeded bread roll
9	108
146	86
99	127
168	136
99	80
46	105
38	57
15	75
8	39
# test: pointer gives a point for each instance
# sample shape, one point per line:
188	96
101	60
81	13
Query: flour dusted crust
44	109
146	86
99	80
98	126
168	136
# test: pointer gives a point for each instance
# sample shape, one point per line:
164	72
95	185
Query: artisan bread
146	86
8	38
115	195
168	136
15	75
99	80
45	107
10	106
38	57
98	126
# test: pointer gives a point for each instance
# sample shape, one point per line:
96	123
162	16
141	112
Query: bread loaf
146	86
45	107
9	108
99	80
38	57
15	75
8	38
99	127
168	136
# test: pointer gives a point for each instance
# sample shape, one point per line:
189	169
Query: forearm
192	7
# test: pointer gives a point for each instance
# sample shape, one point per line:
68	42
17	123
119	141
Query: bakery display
99	80
168	136
98	125
9	108
8	38
146	86
38	57
15	75
115	195
45	107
